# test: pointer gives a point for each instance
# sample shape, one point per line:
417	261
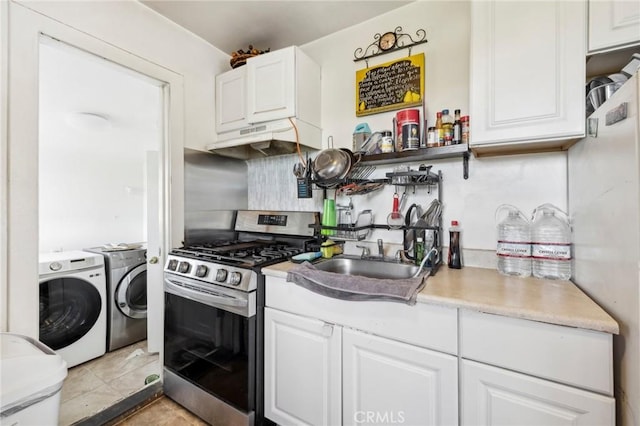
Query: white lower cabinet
495	396
389	382
302	368
323	374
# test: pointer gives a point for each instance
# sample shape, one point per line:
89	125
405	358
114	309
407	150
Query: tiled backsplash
525	181
272	186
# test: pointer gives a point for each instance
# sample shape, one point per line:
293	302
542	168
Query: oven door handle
211	298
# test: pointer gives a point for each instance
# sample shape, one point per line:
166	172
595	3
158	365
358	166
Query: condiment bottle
432	137
455	257
419	251
439	129
447	126
457	128
465	129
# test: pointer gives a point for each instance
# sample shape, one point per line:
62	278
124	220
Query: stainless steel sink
369	268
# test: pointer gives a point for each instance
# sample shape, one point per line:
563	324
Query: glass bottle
457	128
439	129
447	126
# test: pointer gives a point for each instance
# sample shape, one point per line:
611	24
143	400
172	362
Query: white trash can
31	377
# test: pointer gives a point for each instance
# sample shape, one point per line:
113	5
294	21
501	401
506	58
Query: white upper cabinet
273	86
231	100
613	24
527	75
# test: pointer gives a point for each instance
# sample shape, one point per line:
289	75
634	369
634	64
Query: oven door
210	338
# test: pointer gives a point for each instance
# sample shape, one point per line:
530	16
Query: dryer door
131	294
69	308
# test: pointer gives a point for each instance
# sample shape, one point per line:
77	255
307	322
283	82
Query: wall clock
387	41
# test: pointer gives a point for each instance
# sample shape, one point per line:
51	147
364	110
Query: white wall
137	29
126	32
523	180
91	180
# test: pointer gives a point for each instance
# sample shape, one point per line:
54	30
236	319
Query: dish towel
355	287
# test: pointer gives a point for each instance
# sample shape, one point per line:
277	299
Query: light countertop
485	290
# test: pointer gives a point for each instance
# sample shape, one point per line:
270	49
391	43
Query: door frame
19	246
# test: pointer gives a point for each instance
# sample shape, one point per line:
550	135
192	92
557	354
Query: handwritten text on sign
394	85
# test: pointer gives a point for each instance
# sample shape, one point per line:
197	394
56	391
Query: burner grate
247	253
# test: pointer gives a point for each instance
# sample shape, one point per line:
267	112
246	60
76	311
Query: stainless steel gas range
214	307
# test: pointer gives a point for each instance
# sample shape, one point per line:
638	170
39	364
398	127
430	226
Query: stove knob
184	267
221	275
201	271
173	265
235	278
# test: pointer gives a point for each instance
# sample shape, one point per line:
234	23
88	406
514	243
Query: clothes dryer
73	305
126	295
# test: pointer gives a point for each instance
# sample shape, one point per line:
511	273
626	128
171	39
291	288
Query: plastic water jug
514	242
551	243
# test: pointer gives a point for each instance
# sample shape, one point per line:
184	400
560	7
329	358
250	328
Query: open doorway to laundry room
101	134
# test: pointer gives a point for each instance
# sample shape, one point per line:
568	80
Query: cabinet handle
327	330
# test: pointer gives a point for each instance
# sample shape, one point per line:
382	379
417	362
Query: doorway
21	245
100	134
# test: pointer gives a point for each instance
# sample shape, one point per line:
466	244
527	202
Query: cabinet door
302	360
388	382
614	23
493	396
271	80
231	100
527	73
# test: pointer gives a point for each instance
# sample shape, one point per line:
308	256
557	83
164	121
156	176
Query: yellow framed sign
393	85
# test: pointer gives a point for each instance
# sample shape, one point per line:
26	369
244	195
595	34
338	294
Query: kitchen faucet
366	252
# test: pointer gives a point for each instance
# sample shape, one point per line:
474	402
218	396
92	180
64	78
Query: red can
408	129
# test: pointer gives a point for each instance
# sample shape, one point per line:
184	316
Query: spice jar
465	129
432	137
386	143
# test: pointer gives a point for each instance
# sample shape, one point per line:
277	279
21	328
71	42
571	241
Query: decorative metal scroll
403	41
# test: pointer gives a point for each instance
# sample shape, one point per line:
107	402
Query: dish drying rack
349	230
406	178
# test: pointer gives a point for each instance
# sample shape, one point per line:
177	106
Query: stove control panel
225	275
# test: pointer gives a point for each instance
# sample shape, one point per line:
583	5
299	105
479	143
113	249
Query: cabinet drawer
425	325
574	356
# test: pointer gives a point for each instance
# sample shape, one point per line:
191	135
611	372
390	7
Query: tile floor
162	412
97	384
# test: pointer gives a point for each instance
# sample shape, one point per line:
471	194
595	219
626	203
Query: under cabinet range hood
268	139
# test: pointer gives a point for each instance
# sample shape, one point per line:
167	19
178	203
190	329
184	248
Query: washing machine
73	305
126	295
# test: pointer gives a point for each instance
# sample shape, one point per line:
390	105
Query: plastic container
454	259
329	216
360	135
32	377
551	243
514	242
